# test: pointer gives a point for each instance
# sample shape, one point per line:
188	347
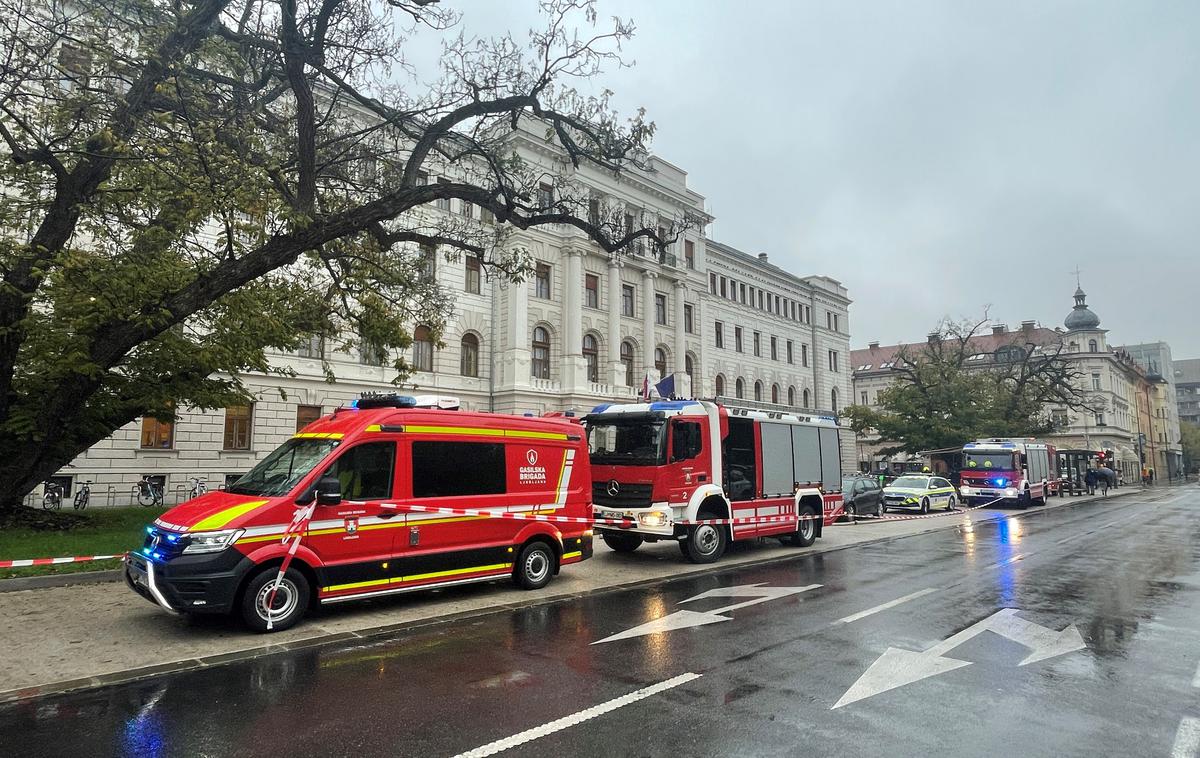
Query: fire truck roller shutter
777	459
831	460
806	454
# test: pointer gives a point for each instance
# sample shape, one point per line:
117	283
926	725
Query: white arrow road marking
897	667
685	619
884	606
1187	739
1196	678
558	725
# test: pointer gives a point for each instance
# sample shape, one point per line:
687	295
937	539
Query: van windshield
283	469
628	443
988	461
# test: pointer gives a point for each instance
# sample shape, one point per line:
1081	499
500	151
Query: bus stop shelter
1072	465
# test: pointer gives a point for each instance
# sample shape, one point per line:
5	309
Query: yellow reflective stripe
453	430
221	518
454	572
260	538
520	434
318	435
356	585
575	554
374	428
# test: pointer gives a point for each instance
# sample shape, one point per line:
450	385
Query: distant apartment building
1186	375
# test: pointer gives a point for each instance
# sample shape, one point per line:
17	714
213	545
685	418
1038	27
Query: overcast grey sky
936	157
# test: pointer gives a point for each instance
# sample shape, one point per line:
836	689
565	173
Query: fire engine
222	551
661	463
1022	471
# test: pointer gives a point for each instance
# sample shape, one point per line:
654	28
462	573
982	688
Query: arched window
739	388
758	391
422	349
540	367
806	399
689	368
468	357
791	396
833	399
1092	348
719	385
591	355
660	361
627	361
775	394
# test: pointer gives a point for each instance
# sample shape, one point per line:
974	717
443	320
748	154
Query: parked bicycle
199	487
148	493
83	495
52	500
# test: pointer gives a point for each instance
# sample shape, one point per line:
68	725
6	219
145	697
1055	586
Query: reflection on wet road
735	670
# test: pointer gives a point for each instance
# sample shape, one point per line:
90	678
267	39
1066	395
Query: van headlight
212	542
653	518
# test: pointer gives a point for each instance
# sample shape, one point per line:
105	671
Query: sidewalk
66	638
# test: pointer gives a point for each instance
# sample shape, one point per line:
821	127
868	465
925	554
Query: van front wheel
623	543
535	568
287	607
705	543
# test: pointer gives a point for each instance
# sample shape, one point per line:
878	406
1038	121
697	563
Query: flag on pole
294	532
666	388
646	388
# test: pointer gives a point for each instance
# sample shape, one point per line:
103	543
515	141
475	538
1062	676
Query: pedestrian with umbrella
1107	477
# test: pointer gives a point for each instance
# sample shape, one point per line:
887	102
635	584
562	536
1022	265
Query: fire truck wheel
291	600
535	568
806	533
623	543
925	505
705	543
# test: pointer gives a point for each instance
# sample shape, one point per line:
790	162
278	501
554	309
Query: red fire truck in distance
221	552
1021	471
660	463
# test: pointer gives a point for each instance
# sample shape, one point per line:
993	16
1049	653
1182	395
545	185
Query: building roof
1081	317
881	358
1187	371
834	287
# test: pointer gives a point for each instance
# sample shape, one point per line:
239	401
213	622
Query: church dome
1081	317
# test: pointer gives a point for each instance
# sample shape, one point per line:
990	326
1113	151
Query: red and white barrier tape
55	561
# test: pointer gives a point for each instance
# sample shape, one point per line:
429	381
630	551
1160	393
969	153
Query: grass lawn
107	531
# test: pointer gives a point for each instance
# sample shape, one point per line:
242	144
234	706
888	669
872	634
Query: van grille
629	496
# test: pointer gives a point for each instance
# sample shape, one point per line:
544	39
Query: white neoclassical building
587	327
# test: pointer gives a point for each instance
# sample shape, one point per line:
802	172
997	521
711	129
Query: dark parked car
862	496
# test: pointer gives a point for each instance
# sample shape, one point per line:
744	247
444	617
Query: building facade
1164	435
1186	374
586	327
1125	397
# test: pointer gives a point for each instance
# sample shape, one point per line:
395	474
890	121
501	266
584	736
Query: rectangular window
760	300
467	208
757	343
774	349
743	296
486	215
712	283
591	290
828	320
737	338
442	203
429	261
312	347
863	397
804	355
689	253
541	279
833	360
437	469
776	311
836	326
626	299
689	324
545	195
306	414
790	357
724	284
594	211
1095	381
238	419
660	309
720	334
157	435
474	274
366	471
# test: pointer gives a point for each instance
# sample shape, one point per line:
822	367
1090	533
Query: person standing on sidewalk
1090	480
1103	483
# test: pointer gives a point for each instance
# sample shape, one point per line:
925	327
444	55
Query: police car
922	491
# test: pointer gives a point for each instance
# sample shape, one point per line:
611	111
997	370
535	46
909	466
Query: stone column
616	372
574	369
648	327
682	386
516	361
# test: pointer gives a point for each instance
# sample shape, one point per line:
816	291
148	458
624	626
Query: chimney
1028	326
934	338
999	328
762	257
873	345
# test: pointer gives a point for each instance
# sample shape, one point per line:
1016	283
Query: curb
11	697
59	580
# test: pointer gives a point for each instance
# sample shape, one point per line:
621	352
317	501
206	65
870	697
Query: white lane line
885	606
1196	678
1070	537
1187	739
565	722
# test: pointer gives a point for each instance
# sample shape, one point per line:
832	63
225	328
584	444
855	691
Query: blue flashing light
1007	444
354	404
145	551
158	556
172	538
1000	482
670	405
601	408
149	530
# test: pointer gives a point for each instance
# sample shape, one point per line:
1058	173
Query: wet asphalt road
1125	573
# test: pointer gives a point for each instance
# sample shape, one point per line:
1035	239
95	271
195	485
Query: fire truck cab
221	552
662	465
1013	470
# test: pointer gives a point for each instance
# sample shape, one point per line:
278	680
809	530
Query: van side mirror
329	491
